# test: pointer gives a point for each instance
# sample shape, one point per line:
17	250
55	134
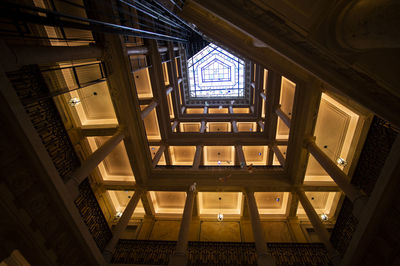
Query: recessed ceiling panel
219	155
168	202
218	110
219	127
142	83
272	203
256	155
246	126
182	155
210	204
190	127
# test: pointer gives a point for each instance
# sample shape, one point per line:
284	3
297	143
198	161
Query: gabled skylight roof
216	73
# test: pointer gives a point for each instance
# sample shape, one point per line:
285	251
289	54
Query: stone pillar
240	154
295	228
357	197
146	111
158	156
197	156
78	175
369	24
121	225
179	258
263	256
20	55
319	227
146	228
284	117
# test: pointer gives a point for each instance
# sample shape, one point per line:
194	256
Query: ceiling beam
305	109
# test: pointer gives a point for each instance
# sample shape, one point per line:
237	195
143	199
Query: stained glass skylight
216	73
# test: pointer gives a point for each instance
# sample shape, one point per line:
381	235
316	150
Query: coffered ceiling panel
182	155
323	202
218	110
334	132
190	127
95	106
165	73
256	155
272	203
116	165
194	110
120	200
168	202
219	155
246	126
209	203
287	96
142	83
151	125
219	127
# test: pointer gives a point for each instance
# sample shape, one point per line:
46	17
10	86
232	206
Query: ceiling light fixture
341	161
324	217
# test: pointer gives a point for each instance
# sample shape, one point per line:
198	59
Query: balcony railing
377	146
29	84
219	253
92	215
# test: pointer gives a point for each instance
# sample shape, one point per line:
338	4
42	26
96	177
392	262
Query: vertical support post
357	196
263	256
78	175
121	225
319	228
179	258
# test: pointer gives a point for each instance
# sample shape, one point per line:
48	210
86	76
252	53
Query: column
158	156
279	155
179	258
197	156
319	228
148	109
121	225
234	127
78	175
294	225
146	227
230	109
261	125
285	118
203	126
240	154
369	24
263	256
20	55
174	125
357	197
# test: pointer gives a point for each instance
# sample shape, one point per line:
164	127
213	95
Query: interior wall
225	231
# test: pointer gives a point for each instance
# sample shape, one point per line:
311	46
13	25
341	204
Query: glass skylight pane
214	72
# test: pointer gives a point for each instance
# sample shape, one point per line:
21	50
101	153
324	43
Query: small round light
324	217
220	217
74	101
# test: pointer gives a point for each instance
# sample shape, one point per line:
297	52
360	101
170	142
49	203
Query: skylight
216	73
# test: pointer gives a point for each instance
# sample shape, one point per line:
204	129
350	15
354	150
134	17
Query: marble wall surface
220	231
165	230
